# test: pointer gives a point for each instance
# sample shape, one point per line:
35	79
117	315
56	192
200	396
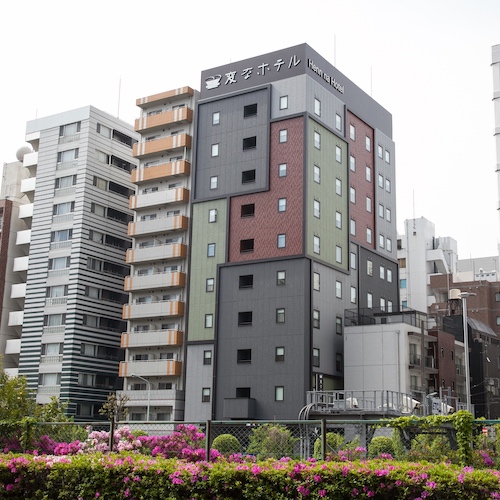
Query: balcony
16	318
153	368
30	161
157	397
157	252
160	225
181	92
460	370
23	237
26	211
154	281
51	359
164	308
239	408
28	187
152	338
157	198
155	146
20	264
18	291
148	123
13	346
161	171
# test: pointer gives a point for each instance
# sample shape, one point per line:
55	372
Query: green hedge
110	477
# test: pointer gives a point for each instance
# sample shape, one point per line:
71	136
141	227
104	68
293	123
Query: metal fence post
208	433
323	438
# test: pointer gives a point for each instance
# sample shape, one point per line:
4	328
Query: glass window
389	306
352	163
338	220
353	295
216	118
338	187
368	204
207	357
388	185
248	210
246	245
388	215
382	272
248	176
380	181
369	268
317	174
281	240
316	244
317	107
402	283
209	320
279	393
282	170
212	215
338	254
245	318
205	395
381	210
283	135
316	209
280	315
209	285
215	150
284	102
316	321
353	227
316	279
246	281
368	144
338	122
338	289
211	250
249	110
388	244
338	154
338	362
389	275
249	143
317	140
281	204
353	260
281	277
381	241
352	195
387	156
213	182
380	151
368	173
315	356
369	300
338	325
244	356
368	235
352	132
279	354
382	304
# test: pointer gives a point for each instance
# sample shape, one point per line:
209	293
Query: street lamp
149	392
464	296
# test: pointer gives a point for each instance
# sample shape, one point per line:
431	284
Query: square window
316	278
316	320
214	182
317	174
212	215
369	300
209	320
248	210
369	268
316	244
352	195
283	135
281	278
245	318
209	287
246	245
281	204
368	204
207	357
284	102
317	140
248	176
338	325
338	254
280	315
246	281
353	295
249	143
338	289
352	132
368	173
338	187
215	150
368	235
316	209
338	220
338	122
315	357
353	260
282	170
205	395
368	143
279	354
242	392
402	283
244	355
380	151
387	156
317	107
249	110
211	250
281	240
216	118
279	393
338	154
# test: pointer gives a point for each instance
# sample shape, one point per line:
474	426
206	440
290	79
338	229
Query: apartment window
338	122
380	151
338	154
249	110
279	354
209	285
244	355
380	181
388	215
402	262
281	240
353	295
213	182
368	204
244	318
69	155
209	320
338	289
249	143
338	362
352	195
402	283
388	185
352	163
317	174
65	182
382	304
389	306
216	118
316	244
246	281
317	140
381	241
248	176
56	291
281	278
207	357
280	315
388	244
497	297
283	135
205	395
387	156
316	209
368	235
368	173
243	392
54	319
69	129
248	210
211	250
338	220
369	268
338	187
279	393
381	210
316	321
61	235
93	292
317	107
284	102
282	205
315	357
352	132
368	144
353	260
369	300
389	275
338	325
246	245
316	279
215	150
282	170
382	272
59	263
338	254
212	215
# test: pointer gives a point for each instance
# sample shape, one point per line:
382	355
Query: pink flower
322	493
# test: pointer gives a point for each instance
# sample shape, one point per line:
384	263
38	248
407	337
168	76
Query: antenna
371	81
119	92
335	50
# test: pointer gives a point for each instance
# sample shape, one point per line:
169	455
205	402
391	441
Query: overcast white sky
427	62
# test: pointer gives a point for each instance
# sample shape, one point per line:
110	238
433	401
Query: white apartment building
154	341
74	265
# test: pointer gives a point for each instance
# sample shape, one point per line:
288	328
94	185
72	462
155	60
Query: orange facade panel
170	142
161	171
160	368
146	123
156	252
143	102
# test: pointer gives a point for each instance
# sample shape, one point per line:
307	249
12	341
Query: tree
114	408
16	399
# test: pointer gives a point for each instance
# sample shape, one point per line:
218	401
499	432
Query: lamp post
149	392
464	296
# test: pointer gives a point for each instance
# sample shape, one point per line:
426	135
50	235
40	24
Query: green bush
227	444
379	445
271	441
334	442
